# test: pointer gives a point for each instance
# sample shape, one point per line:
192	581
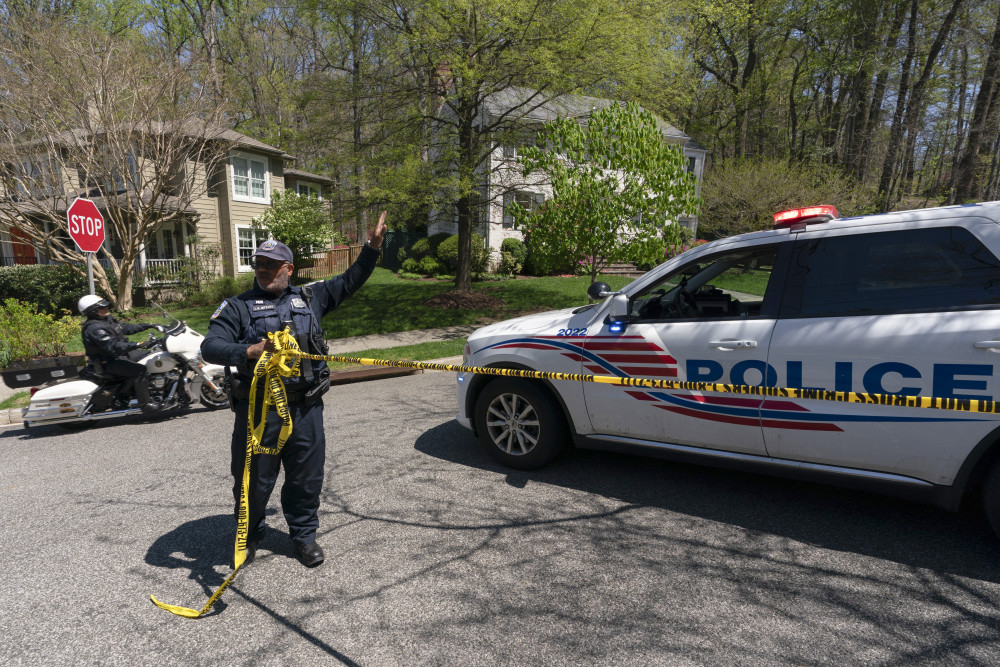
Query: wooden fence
332	262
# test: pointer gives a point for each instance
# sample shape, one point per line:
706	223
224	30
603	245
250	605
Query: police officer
237	336
107	348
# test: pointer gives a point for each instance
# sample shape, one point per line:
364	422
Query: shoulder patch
219	310
298	303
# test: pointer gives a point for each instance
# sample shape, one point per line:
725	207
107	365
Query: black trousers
133	374
303	458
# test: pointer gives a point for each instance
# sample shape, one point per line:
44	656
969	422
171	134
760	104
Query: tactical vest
92	350
290	310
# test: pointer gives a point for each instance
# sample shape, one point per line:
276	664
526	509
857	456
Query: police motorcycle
177	376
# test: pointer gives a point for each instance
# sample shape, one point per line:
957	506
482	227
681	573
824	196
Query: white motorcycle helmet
89	304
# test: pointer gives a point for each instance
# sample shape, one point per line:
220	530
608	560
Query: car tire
991	497
519	424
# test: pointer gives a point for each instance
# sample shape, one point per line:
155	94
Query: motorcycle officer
107	348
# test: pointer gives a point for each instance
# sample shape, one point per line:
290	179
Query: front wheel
213	399
519	423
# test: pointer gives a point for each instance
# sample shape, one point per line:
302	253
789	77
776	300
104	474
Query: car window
903	271
730	285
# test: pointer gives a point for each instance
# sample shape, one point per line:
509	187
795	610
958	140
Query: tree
463	52
301	222
87	114
618	190
742	196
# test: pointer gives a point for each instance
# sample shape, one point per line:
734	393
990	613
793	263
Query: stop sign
86	225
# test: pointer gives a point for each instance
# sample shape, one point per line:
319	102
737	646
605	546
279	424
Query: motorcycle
176	373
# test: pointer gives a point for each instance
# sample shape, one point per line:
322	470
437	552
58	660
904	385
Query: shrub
435	241
432	265
410	266
406	275
447	252
219	288
509	266
401	255
743	195
516	248
27	333
420	249
48	288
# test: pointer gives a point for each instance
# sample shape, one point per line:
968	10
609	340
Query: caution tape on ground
285	359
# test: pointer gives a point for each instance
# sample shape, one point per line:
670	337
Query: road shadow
829	517
195	546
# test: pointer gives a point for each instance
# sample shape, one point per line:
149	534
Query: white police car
904	303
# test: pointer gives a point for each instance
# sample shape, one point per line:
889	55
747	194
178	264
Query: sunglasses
268	264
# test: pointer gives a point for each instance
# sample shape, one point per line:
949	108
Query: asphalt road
436	556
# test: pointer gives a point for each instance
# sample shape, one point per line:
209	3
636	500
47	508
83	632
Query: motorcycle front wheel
212	399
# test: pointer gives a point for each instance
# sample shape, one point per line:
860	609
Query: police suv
905	304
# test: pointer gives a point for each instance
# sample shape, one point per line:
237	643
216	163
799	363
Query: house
503	182
219	213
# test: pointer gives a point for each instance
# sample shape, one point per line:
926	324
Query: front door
20	244
708	321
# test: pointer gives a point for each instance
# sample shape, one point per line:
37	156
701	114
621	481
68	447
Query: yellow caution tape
270	368
285	359
933	402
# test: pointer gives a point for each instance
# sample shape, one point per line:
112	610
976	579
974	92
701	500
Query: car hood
526	325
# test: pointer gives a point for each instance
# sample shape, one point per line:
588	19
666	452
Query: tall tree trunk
965	184
959	124
356	134
874	114
896	132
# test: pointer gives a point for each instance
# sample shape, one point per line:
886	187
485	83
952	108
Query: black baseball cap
274	250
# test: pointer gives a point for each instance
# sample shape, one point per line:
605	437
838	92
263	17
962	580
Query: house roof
307	176
542	109
192	127
62	203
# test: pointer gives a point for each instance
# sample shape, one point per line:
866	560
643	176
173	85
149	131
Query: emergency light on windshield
798	217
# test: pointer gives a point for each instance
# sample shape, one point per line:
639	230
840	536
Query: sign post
86	228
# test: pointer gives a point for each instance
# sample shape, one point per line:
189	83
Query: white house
503	182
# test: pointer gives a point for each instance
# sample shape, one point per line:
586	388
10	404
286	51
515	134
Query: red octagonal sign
86	225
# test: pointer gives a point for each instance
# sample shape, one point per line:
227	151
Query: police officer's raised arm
338	288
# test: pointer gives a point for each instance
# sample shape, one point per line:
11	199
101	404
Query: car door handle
987	345
733	344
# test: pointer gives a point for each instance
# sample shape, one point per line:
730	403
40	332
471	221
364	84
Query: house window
692	163
528	200
513	140
250	178
247	241
308	190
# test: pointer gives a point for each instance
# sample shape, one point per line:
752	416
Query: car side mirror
599	291
618	314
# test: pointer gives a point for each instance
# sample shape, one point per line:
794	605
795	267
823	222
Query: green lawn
386	304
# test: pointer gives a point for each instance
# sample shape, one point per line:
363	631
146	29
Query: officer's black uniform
105	342
245	320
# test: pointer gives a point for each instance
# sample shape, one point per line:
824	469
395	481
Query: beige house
219	214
